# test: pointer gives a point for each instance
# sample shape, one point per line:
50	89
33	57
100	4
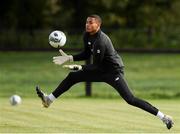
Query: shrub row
123	38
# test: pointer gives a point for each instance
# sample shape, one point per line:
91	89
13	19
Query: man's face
92	25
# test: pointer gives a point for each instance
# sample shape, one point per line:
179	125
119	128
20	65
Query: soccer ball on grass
15	100
57	39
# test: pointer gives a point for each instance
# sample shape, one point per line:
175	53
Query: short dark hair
96	17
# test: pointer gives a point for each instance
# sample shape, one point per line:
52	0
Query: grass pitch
85	116
148	75
151	76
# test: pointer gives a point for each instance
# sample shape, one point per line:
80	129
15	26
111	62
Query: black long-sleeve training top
105	57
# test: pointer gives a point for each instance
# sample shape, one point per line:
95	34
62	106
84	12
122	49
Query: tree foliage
28	14
154	17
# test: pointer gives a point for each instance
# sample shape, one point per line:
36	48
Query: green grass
148	75
154	77
82	115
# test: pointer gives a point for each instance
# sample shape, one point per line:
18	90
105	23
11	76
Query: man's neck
93	33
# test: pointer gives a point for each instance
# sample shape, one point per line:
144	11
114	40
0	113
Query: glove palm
59	60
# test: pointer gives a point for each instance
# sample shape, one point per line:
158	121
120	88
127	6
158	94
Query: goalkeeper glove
73	67
62	59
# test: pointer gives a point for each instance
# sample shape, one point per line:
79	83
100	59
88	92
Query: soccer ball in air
57	39
15	100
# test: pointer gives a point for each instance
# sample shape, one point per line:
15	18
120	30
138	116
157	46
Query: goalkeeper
107	67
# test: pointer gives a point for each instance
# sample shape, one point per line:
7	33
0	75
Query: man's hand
73	67
62	59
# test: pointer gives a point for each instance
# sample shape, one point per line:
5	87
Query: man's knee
131	100
71	76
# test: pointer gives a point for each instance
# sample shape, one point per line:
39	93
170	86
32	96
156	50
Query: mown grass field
148	75
82	115
154	77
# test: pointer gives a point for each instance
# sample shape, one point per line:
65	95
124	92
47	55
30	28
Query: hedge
121	38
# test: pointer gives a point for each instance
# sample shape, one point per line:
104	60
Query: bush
122	38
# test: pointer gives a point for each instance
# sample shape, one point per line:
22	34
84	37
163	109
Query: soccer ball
57	39
15	100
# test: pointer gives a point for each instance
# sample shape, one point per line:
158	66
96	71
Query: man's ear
99	24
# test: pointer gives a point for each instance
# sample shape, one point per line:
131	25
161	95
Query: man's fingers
73	67
60	59
69	67
65	66
62	52
55	57
59	62
54	60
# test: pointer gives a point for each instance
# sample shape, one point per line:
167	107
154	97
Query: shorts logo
117	78
98	51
